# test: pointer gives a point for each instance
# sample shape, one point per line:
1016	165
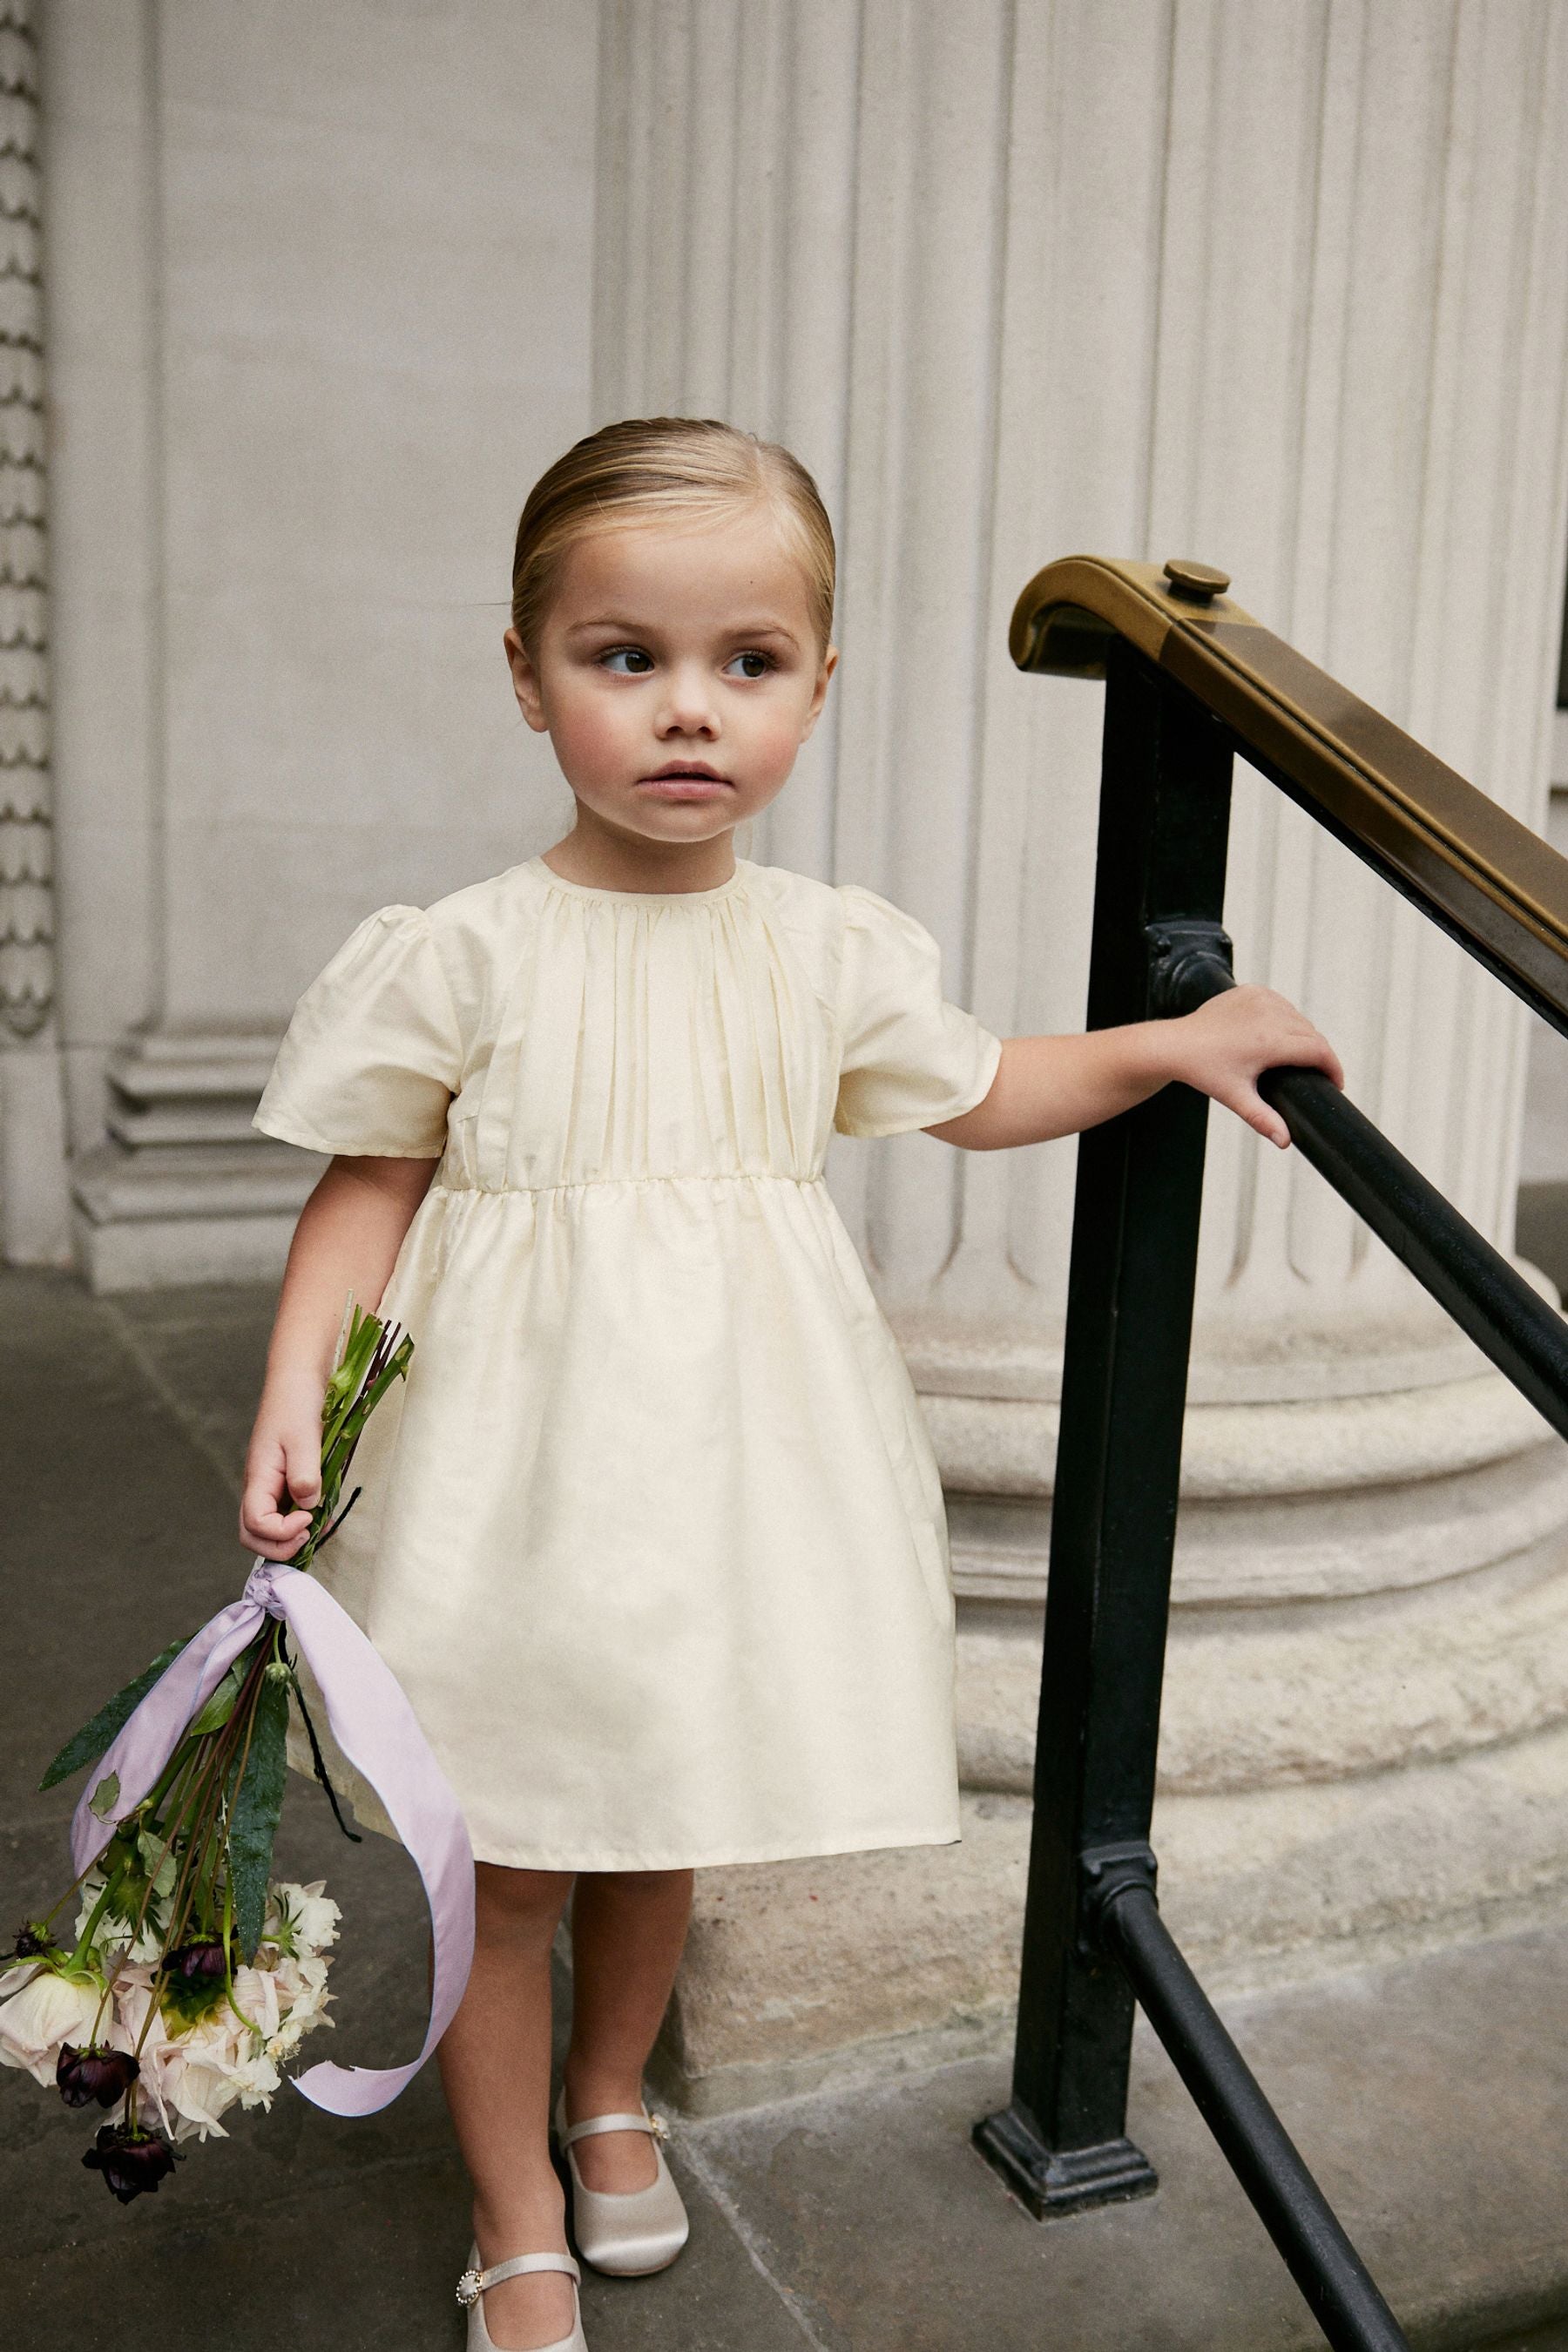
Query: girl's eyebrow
746	629
765	629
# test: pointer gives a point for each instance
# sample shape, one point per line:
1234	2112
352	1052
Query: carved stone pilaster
26	903
34	1226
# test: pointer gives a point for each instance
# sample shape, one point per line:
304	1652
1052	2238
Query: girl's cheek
776	742
591	739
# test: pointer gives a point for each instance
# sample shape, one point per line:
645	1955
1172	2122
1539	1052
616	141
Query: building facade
300	300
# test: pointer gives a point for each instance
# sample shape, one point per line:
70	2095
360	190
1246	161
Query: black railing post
1340	2291
1060	2143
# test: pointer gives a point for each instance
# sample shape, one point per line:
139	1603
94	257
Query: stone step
180	1120
1429	2096
180	1088
113	1186
151	1069
212	1212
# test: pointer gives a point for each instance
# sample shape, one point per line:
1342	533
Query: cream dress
652	1535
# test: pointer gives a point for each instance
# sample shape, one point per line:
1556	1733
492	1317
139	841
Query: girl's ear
525	682
819	693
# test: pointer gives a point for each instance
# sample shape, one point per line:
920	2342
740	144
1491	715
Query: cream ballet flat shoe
627	2232
474	2282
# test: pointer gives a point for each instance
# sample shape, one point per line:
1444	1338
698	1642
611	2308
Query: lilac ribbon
379	1733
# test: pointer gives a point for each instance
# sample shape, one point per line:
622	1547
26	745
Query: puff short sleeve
373	1053
910	1058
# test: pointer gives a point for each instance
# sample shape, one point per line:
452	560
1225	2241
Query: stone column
34	1228
301	378
1286	290
168	1181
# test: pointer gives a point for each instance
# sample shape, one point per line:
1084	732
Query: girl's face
677	674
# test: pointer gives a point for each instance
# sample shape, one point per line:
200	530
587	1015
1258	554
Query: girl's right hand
284	1457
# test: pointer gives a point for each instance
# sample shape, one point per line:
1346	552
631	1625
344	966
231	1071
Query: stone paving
1431	2098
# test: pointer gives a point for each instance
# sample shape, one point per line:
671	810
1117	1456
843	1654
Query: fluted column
1286	290
34	1226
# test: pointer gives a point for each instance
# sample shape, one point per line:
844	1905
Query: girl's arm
349	1233
1047	1086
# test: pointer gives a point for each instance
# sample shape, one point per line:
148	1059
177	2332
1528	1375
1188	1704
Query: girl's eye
641	663
763	661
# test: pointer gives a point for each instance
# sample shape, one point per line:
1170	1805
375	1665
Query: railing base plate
1053	2181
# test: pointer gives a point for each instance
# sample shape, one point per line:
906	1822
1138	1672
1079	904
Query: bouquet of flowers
190	1974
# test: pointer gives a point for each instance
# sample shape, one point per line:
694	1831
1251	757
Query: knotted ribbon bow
376	1729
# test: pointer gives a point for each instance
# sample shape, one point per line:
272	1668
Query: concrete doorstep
1429	2096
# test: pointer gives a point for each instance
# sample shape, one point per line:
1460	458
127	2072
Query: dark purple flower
92	2073
194	1962
130	2158
31	1942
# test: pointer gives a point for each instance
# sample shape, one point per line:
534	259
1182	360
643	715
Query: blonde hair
690	468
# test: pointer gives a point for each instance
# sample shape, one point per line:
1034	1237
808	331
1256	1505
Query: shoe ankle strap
654	2125
474	2282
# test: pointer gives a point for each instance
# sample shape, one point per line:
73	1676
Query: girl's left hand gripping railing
191	1972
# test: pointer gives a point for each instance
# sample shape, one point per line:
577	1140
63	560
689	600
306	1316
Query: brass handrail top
1472	866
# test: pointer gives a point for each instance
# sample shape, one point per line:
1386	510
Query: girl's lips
684	788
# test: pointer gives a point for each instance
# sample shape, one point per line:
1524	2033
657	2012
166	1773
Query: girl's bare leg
495	2065
627	1930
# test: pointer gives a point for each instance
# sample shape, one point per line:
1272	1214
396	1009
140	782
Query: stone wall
320	309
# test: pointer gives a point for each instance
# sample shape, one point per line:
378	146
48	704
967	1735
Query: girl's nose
689	706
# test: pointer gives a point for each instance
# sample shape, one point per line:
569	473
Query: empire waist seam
599	1183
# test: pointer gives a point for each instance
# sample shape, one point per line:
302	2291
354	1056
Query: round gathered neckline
642	897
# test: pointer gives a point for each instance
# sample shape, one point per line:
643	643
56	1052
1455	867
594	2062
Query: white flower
256	1993
191	2074
194	2095
200	2074
135	1992
111	1936
195	2073
256	2079
308	1913
302	1993
47	2011
292	2031
302	1996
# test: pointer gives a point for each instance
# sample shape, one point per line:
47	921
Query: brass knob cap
1201	582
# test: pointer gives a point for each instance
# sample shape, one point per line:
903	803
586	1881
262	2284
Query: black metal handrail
1485	878
1191	682
1487	1297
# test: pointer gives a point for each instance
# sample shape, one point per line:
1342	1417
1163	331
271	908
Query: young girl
652	1535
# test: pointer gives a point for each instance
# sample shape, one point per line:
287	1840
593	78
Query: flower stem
228	1963
112	1887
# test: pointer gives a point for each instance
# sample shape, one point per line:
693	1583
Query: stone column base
863	1967
1363	1743
185	1189
196	1213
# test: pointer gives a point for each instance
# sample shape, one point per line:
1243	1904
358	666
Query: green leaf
259	1801
158	1865
220	1706
105	1798
93	1738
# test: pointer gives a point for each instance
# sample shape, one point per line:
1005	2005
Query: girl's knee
519	1902
640	1886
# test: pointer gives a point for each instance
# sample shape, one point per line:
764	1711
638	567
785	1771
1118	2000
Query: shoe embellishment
468	2288
659	2127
